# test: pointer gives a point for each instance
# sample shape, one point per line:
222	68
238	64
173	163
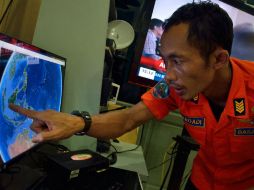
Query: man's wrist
87	121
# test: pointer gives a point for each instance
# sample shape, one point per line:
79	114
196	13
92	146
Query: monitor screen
148	67
31	78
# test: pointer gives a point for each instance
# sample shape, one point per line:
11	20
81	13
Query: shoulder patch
161	90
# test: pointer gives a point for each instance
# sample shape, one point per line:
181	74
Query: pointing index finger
29	113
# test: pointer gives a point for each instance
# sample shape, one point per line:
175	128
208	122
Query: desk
131	160
125	173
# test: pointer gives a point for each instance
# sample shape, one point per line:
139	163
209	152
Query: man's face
187	71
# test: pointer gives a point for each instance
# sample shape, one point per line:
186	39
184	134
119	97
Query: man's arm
53	125
114	124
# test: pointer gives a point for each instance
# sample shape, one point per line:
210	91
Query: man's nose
170	75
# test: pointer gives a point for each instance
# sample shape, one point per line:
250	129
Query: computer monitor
147	70
32	78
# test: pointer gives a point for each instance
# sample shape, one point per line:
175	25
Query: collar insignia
239	106
195	99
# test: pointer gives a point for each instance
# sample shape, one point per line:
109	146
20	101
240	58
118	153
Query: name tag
194	121
244	132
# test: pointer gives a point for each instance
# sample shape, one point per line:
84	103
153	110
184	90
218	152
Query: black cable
6	10
185	178
139	144
164	162
113	147
113	155
112	158
169	167
128	150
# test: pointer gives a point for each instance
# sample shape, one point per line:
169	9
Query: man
153	39
213	92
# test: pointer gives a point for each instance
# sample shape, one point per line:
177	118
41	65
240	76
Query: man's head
195	45
156	25
209	26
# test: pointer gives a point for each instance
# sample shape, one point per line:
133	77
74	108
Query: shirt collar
237	104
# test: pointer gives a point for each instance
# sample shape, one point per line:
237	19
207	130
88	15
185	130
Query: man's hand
51	125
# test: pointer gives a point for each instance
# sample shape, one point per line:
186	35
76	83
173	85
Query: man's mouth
179	90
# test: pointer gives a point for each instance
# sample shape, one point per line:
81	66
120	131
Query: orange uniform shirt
225	160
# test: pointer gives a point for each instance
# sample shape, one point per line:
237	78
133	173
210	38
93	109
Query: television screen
31	78
148	67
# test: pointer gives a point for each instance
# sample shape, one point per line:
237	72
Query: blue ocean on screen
32	83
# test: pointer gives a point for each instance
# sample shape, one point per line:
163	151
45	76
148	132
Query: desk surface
131	160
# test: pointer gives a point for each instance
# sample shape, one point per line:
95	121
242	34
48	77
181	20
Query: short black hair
209	26
155	22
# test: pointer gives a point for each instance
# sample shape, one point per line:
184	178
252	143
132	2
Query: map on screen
32	81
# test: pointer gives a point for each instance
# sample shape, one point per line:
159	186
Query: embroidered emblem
239	106
195	99
244	131
194	121
161	89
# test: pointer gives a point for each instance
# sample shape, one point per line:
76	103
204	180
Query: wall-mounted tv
147	70
32	78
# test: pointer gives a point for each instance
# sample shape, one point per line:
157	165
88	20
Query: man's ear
221	58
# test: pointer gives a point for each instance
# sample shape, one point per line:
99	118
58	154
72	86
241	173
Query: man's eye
177	62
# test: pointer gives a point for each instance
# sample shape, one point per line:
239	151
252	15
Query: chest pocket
241	138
